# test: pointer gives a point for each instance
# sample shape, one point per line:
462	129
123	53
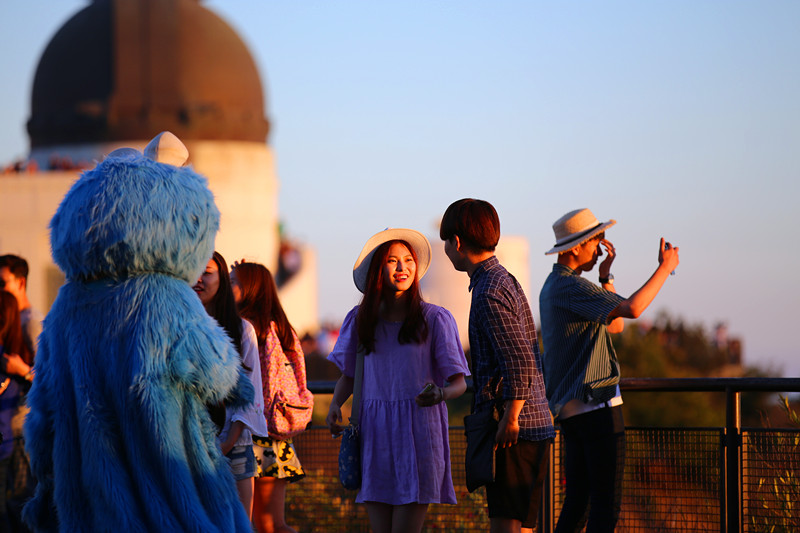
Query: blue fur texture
118	434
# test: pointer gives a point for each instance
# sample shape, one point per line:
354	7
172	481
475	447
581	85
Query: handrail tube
711	384
660	384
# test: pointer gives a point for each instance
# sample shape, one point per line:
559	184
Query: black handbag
350	448
481	431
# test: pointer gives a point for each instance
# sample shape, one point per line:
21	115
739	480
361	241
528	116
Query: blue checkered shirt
505	354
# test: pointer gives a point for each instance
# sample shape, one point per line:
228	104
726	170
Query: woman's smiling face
400	269
208	283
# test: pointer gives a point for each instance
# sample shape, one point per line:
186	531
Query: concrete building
118	73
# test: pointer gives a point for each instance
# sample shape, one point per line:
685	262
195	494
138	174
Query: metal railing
725	479
731	497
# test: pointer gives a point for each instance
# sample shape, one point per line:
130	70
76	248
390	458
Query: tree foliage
672	348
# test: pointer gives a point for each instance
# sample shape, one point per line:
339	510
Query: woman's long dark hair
11	338
414	328
260	305
223	306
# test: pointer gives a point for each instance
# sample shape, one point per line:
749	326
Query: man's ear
457	242
575	250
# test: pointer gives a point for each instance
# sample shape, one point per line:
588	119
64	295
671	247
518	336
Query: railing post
733	460
547	513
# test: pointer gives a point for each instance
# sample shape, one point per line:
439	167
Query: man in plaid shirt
506	366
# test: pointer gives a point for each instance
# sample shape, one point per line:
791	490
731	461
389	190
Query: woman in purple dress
413	363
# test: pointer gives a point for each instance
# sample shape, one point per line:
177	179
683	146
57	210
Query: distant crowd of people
405	358
55	162
20	326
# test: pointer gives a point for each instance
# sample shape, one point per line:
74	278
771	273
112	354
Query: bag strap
355	414
297	359
496	382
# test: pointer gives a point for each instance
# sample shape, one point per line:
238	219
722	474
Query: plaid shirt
505	355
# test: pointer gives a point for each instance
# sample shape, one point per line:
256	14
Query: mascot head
136	213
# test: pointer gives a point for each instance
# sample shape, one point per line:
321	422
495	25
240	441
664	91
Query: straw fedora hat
415	239
575	228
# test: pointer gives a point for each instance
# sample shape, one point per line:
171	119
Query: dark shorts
520	472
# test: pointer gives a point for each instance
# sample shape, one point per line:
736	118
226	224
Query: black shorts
520	472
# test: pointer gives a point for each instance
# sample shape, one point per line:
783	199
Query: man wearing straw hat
580	365
506	365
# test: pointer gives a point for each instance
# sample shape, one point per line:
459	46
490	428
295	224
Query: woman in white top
214	289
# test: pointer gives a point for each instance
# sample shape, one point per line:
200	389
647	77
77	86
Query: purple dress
405	451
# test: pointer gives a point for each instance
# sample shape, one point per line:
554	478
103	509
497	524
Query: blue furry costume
118	433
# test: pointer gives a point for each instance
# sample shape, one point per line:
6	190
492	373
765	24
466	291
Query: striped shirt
579	359
505	354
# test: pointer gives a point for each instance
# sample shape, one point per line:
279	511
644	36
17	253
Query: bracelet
29	375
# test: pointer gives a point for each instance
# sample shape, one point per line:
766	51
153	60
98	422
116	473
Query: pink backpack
288	404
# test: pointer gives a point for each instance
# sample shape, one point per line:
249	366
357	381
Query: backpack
288	404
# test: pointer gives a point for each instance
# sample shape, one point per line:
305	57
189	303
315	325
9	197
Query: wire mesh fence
318	503
673	482
674	479
771	480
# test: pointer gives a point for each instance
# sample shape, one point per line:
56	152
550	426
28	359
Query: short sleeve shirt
579	358
505	352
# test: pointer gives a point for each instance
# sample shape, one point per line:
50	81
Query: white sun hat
415	239
575	228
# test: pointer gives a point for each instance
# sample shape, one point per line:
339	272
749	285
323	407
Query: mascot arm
243	393
205	360
39	513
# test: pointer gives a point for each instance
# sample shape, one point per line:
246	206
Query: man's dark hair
474	221
16	265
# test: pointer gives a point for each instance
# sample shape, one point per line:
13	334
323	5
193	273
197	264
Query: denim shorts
243	462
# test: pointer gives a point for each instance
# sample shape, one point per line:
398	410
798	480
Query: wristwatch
609	279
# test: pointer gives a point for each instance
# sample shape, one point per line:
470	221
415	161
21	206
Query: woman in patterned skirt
257	300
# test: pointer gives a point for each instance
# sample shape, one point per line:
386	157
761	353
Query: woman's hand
234	432
334	420
226	447
430	395
16	366
341	392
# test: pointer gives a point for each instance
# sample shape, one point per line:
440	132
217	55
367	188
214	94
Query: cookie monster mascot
118	433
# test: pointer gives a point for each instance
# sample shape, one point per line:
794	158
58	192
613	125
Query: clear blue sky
679	119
